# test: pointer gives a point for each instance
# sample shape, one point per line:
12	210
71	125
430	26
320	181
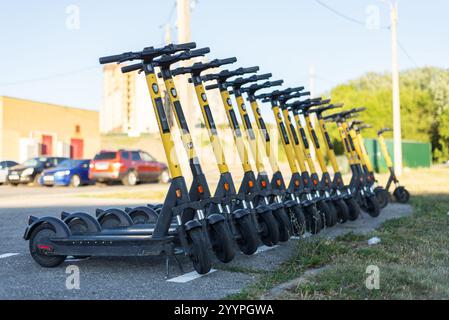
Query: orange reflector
178	193
315	182
226	186
279	182
251	184
200	189
264	184
297	183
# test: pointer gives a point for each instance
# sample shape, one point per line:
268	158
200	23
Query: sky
46	55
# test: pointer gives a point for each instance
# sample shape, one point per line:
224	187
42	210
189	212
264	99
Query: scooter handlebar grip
185	46
111	59
199	52
227	61
212	86
131	68
264	76
277	83
250	70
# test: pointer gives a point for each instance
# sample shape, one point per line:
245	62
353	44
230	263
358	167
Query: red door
77	149
47	145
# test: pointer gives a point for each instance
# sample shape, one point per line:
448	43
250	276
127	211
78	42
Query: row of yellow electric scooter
263	209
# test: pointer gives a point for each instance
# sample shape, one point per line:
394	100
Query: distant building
31	129
127	106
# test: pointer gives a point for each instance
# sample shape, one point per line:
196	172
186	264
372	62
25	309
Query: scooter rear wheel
354	209
383	196
270	230
221	240
401	195
372	206
199	255
342	210
328	212
284	224
298	220
40	237
248	236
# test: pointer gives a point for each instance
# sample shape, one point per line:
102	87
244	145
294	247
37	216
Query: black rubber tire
298	219
42	232
248	241
78	227
270	230
130	182
328	212
342	210
109	222
284	224
222	242
74	183
314	220
199	255
354	209
401	195
383	197
372	206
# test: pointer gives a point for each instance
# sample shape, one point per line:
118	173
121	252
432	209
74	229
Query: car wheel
165	177
75	181
36	180
130	179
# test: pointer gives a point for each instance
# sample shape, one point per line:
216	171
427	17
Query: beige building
30	129
127	107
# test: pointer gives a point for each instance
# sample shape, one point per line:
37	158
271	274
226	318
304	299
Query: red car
127	166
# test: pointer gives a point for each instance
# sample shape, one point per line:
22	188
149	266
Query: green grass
412	257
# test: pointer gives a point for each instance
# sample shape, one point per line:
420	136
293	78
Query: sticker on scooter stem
174	93
229	102
243	107
155	88
204	97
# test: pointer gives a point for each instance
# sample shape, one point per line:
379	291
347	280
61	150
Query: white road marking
7	255
264	249
189	277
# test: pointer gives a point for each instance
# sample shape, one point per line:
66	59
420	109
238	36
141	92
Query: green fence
414	154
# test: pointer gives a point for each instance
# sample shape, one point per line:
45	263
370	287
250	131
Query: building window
78	129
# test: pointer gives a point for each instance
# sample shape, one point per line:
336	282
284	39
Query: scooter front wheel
247	241
298	221
270	230
401	195
372	206
354	209
382	196
284	224
198	254
221	241
342	210
314	220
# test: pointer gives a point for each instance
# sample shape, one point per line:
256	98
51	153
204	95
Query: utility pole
183	24
397	133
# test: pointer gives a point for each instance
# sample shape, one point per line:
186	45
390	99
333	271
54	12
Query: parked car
127	166
4	170
30	171
73	173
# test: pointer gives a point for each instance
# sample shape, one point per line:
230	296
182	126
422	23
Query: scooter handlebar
149	52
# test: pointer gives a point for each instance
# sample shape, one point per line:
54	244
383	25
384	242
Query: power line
49	77
359	22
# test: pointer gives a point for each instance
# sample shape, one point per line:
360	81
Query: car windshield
33	162
70	164
105	156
